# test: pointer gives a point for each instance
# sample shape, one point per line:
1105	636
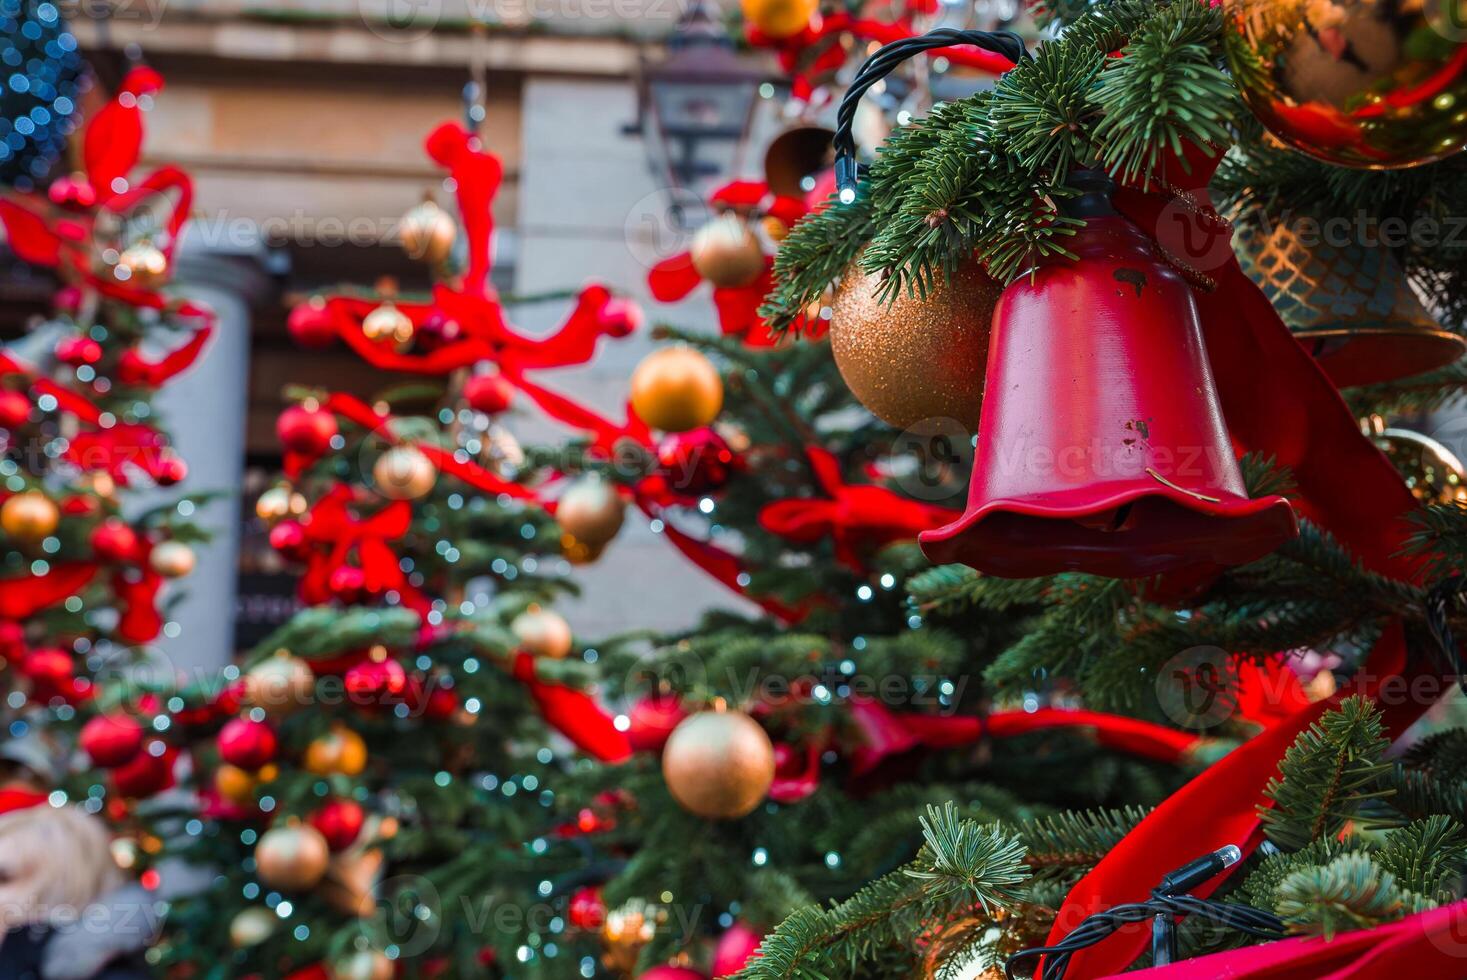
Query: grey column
204	412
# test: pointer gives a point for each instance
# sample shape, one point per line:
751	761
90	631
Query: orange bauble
676	389
718	764
340	750
404	473
29	516
590	513
780	18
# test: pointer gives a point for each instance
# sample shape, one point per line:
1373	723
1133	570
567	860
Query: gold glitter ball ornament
427	232
142	265
291	858
1432	472
914	358
251	927
388	323
718	764
404	473
172	559
1371	84
543	632
726	252
590	513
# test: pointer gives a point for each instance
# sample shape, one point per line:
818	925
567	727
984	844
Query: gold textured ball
280	685
915	358
718	764
1432	472
779	18
590	513
29	516
543	632
364	964
340	750
388	323
404	473
351	881
235	784
142	265
676	389
727	253
1355	83
291	858
172	559
251	927
427	232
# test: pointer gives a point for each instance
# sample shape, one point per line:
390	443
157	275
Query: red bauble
114	540
340	822
376	681
621	317
652	720
12	639
310	324
441	704
305	430
735	949
112	740
436	331
77	351
672	973
171	471
288	538
15	409
247	744
695	463
587	909
145	774
488	393
49	668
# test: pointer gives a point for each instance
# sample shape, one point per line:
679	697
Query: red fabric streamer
1429	944
23	596
114	138
574	714
476	176
856	517
134	369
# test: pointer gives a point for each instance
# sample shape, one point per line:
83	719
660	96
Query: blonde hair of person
54	862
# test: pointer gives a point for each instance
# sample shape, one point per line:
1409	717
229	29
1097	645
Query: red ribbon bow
337	533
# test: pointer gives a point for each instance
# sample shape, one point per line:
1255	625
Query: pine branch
1327	775
1425	856
1351	892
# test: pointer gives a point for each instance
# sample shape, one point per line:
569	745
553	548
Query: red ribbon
336	533
134	369
476	176
856	517
23	596
1428	944
574	714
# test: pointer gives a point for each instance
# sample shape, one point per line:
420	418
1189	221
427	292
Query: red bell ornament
1102	447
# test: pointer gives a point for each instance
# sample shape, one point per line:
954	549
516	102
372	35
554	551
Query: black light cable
881	64
1168	903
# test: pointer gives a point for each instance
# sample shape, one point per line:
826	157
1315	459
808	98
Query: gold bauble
795	156
404	473
388	323
251	927
278	503
590	512
623	934
676	389
340	750
29	516
364	964
1432	472
351	881
543	632
915	358
280	684
1355	83
235	784
142	265
727	253
780	18
172	559
427	232
718	764
292	858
